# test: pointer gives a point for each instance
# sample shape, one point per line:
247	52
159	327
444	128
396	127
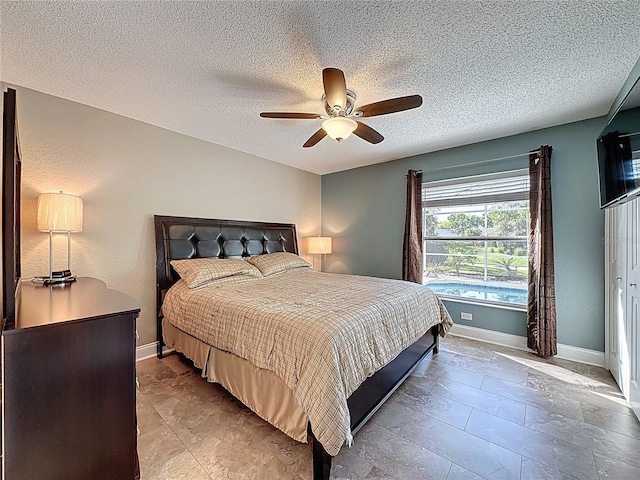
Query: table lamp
59	213
319	246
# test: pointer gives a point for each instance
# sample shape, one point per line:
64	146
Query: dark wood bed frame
184	237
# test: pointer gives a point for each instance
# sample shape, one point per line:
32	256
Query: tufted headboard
184	237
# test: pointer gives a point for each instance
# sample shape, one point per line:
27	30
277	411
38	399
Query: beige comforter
322	333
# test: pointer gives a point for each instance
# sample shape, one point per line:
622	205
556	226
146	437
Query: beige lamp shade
319	245
59	212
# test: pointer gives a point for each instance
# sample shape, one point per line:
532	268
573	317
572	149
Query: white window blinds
499	187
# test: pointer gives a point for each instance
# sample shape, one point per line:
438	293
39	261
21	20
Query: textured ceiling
485	69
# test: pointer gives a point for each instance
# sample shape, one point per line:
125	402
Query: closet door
632	326
616	254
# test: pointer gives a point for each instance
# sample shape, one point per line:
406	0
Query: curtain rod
629	134
481	161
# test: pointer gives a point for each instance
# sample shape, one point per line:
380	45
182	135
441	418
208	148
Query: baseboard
582	355
149	350
490	336
566	352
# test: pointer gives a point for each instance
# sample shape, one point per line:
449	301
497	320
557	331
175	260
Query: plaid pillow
198	272
272	263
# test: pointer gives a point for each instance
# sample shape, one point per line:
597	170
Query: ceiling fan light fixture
339	128
339	103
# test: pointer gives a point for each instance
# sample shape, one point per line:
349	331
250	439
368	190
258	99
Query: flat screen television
11	170
619	153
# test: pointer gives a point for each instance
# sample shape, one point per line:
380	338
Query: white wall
126	171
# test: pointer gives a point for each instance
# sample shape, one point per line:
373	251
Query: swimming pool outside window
475	237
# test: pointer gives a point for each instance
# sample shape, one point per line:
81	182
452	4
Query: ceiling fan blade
335	87
289	115
315	138
392	105
367	133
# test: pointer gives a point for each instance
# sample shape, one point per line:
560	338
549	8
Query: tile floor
472	411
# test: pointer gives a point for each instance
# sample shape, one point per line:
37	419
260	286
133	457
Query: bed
311	353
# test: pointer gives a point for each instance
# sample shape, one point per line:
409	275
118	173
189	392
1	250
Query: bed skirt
260	390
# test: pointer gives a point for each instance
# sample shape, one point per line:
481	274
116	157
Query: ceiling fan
339	103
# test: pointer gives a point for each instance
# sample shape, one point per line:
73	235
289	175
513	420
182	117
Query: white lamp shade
59	212
319	245
339	128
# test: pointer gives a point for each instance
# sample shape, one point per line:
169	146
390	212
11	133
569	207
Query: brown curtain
541	312
412	247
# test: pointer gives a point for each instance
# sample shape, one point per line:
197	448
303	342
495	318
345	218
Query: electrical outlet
466	316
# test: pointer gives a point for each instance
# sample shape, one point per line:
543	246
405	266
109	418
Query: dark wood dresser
68	384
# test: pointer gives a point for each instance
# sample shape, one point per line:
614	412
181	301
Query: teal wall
363	210
490	318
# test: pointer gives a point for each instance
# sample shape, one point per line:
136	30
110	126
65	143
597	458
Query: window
475	235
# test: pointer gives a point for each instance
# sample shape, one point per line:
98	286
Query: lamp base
59	280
